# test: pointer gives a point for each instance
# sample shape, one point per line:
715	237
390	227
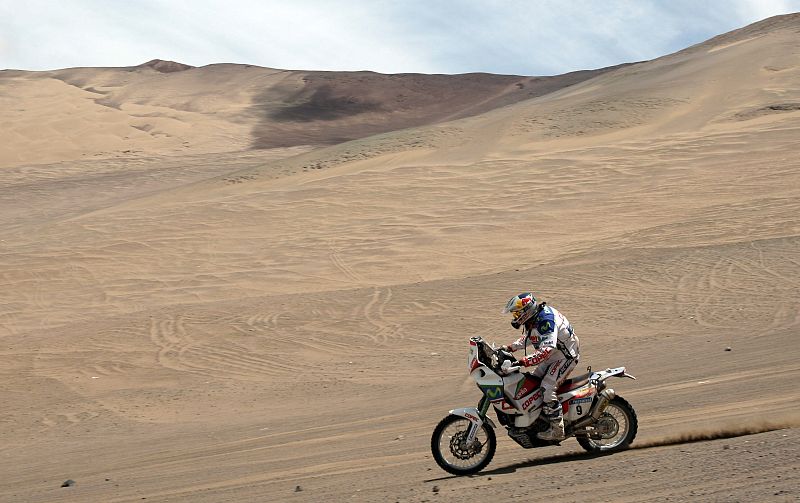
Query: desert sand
233	283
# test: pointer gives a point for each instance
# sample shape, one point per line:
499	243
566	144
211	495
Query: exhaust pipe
603	398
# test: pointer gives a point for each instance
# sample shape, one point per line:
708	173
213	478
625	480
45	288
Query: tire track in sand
375	314
179	351
169	336
342	266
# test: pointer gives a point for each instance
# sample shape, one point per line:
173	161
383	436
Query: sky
532	37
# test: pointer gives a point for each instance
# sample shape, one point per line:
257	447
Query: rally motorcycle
464	442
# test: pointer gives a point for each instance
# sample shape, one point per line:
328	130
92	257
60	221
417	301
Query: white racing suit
556	354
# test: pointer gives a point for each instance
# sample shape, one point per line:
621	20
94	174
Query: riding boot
554	414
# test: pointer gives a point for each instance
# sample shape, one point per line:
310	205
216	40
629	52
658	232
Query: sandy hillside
167	108
264	318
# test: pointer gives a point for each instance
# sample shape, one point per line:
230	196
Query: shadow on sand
684	438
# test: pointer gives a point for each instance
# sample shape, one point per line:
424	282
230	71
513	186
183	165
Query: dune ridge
169	108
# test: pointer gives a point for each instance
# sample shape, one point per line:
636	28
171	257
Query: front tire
453	455
614	431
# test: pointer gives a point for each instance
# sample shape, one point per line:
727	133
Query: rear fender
602	375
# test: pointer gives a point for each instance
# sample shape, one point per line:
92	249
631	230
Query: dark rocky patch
769	109
325	108
162	66
325	105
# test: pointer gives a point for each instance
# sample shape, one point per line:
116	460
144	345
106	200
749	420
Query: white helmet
522	308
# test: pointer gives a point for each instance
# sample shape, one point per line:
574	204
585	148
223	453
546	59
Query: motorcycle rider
556	352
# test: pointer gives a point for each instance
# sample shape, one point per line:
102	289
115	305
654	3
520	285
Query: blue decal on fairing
493	392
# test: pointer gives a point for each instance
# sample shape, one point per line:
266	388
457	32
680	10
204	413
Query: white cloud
512	36
760	9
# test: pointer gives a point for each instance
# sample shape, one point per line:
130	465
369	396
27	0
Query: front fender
473	415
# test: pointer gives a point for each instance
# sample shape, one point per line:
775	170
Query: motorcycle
464	442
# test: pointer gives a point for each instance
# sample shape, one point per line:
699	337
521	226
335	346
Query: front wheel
451	452
614	430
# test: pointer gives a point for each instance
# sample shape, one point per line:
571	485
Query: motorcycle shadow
547	460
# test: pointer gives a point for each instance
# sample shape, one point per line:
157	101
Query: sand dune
245	302
167	108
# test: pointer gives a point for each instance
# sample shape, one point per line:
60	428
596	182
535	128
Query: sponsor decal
538	357
507	406
530	400
576	401
566	366
493	392
545	327
470	416
554	367
525	386
587	392
475	364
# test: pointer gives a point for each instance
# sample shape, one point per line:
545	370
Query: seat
574	382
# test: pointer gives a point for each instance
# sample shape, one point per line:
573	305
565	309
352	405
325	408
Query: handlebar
492	355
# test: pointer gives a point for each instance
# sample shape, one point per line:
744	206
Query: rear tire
450	452
617	425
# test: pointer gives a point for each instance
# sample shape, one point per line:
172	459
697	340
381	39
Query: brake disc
459	448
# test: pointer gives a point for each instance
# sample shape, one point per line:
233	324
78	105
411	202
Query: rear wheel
614	431
451	451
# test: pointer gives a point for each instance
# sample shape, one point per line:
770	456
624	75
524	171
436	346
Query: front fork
483	407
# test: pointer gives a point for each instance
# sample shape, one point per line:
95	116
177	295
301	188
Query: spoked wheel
451	451
614	431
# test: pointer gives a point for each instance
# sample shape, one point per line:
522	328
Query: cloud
508	36
764	8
